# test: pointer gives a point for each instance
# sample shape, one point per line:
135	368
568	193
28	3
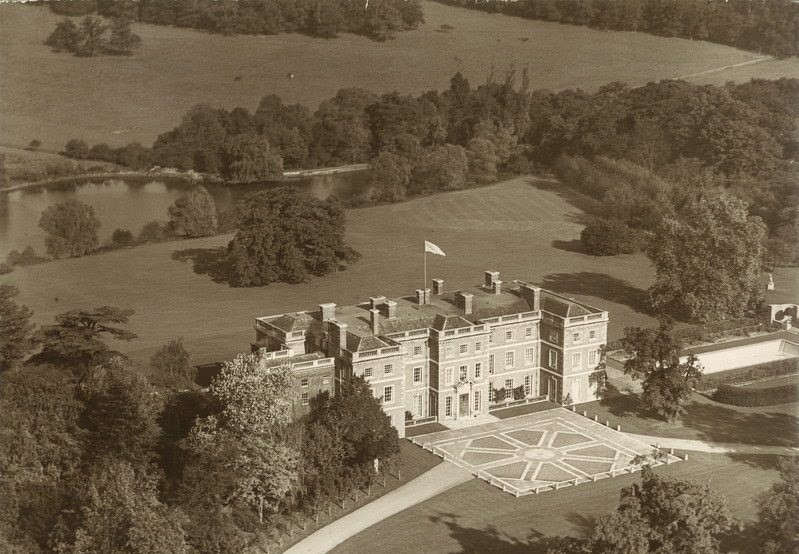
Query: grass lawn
704	420
476	518
513	227
55	97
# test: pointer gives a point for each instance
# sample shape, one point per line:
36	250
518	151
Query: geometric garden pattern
543	451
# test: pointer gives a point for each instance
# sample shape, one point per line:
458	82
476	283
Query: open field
476	517
514	227
55	97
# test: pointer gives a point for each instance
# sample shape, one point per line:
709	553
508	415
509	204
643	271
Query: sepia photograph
399	276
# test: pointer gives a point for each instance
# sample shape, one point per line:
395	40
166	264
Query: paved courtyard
542	451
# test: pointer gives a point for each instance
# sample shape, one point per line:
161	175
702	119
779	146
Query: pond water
132	202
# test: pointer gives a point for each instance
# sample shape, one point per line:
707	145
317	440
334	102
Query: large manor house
441	354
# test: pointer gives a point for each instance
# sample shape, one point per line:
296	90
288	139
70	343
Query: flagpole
424	283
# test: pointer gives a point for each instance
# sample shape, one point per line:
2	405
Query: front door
553	389
463	407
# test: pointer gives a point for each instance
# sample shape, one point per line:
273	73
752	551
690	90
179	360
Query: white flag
433	249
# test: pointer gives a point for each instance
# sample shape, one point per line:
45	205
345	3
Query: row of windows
388	369
510	359
304	382
577	359
509	384
577	337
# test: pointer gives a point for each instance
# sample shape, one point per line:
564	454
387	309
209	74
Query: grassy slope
476	517
514	227
135	98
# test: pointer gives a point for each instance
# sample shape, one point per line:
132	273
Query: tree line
93	37
376	19
102	454
768	27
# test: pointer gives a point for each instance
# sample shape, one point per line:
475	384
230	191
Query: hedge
783	394
748	374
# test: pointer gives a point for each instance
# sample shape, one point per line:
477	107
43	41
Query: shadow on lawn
600	285
489	539
575	246
206	261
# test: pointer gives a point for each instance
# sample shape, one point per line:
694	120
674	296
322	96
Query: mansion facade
441	354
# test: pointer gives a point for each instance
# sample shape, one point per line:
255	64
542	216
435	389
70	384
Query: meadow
522	228
476	517
55	97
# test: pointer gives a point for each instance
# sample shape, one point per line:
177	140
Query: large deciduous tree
118	512
357	419
285	235
243	438
71	229
76	340
654	357
657	516
709	263
194	214
389	175
778	511
16	329
250	158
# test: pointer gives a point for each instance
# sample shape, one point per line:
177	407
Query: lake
132	202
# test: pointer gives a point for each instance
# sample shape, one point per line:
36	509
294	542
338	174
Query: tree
256	402
250	158
483	160
121	414
194	214
122	238
708	265
93	41
34	145
41	448
16	329
778	511
609	237
152	231
389	175
653	355
118	512
284	235
365	430
66	36
443	168
77	149
340	132
122	39
71	229
170	365
76	340
658	516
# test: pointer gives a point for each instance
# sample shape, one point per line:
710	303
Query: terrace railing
514	403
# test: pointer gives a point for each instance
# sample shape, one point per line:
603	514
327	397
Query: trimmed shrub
153	231
749	374
736	396
26	257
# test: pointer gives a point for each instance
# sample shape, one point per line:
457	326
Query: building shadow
589	206
585	525
207	261
575	246
599	285
487	539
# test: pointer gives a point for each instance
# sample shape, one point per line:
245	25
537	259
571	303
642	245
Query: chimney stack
496	287
374	320
464	301
375	301
490	278
438	287
337	338
327	311
532	295
390	309
421	297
